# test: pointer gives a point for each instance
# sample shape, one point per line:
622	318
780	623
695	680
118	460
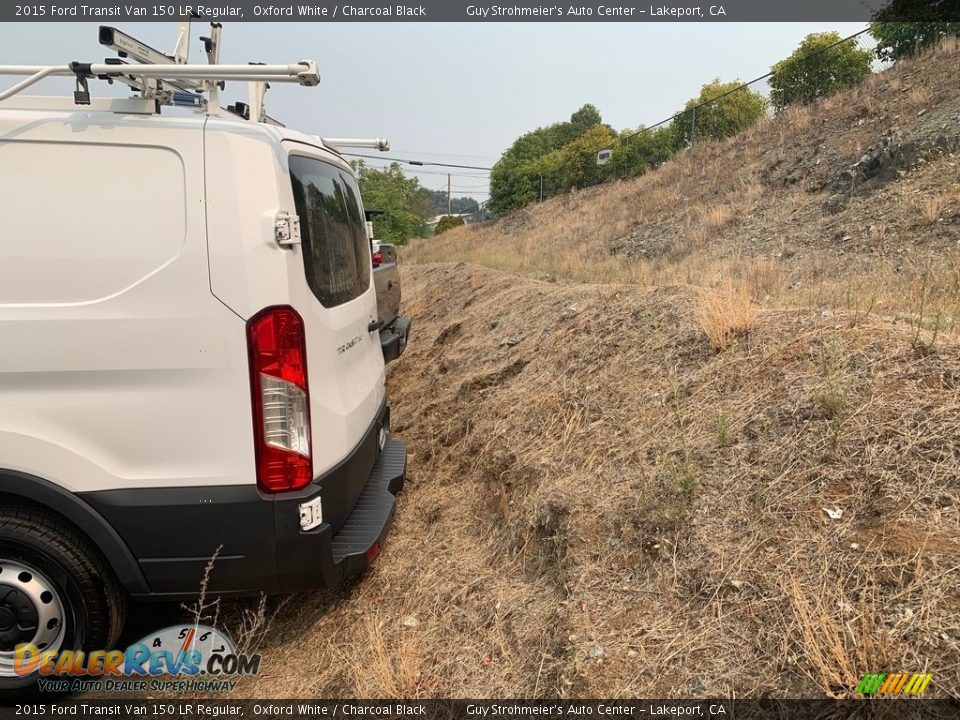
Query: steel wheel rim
31	611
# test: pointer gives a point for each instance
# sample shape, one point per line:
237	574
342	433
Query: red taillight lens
377	257
281	399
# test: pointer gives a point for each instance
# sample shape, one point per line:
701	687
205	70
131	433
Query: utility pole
449	206
541	188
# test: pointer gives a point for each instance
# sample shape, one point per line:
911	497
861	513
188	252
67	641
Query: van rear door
332	289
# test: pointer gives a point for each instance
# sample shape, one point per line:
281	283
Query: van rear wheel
56	592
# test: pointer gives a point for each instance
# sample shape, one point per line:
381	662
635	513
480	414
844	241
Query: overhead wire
416	162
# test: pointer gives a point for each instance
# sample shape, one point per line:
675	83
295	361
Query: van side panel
118	368
245	166
64	249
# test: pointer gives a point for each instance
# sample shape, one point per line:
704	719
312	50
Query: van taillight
281	399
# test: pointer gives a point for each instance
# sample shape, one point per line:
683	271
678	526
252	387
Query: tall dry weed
726	314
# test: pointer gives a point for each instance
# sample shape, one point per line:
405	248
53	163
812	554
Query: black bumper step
370	519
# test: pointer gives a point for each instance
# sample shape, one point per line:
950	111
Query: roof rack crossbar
157	75
304	72
380	144
34	75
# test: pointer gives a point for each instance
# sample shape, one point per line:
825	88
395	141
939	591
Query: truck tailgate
386	279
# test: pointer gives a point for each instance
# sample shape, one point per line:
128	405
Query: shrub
447	222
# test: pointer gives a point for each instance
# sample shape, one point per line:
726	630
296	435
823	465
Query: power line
387	162
436	172
742	86
474	191
448	155
416	162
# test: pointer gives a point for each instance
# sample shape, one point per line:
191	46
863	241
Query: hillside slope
602	504
850	203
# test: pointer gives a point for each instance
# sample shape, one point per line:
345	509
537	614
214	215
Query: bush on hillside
447	222
820	66
730	108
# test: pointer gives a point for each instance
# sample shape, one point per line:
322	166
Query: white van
189	357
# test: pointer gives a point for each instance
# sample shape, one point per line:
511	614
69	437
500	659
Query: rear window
336	252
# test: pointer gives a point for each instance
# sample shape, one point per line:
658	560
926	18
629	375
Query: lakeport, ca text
546	710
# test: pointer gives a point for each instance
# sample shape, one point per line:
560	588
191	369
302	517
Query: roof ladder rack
168	79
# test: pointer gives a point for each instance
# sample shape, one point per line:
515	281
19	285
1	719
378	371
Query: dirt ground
600	505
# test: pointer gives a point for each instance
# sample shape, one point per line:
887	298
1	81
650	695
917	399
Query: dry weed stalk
201	610
717	216
918	95
392	672
932	206
254	623
725	314
838	638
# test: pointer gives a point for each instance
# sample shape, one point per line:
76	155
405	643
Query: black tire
80	595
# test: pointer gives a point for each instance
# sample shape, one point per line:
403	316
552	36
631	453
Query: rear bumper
324	558
257	539
393	338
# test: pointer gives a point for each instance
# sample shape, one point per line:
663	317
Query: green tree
640	150
575	164
903	27
820	66
457	204
406	204
897	40
447	222
512	185
514	180
583	119
729	109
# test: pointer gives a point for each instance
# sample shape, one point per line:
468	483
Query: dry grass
717	216
918	96
931	207
725	315
639	514
838	637
598	504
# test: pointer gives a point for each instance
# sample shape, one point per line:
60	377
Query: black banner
487	709
479	11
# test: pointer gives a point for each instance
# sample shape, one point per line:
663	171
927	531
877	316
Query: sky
453	92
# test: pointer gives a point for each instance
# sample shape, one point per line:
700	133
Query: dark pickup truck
394	328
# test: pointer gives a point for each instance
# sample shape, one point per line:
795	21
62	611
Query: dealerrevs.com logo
188	658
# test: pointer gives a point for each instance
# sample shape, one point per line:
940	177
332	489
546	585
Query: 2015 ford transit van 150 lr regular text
189	366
